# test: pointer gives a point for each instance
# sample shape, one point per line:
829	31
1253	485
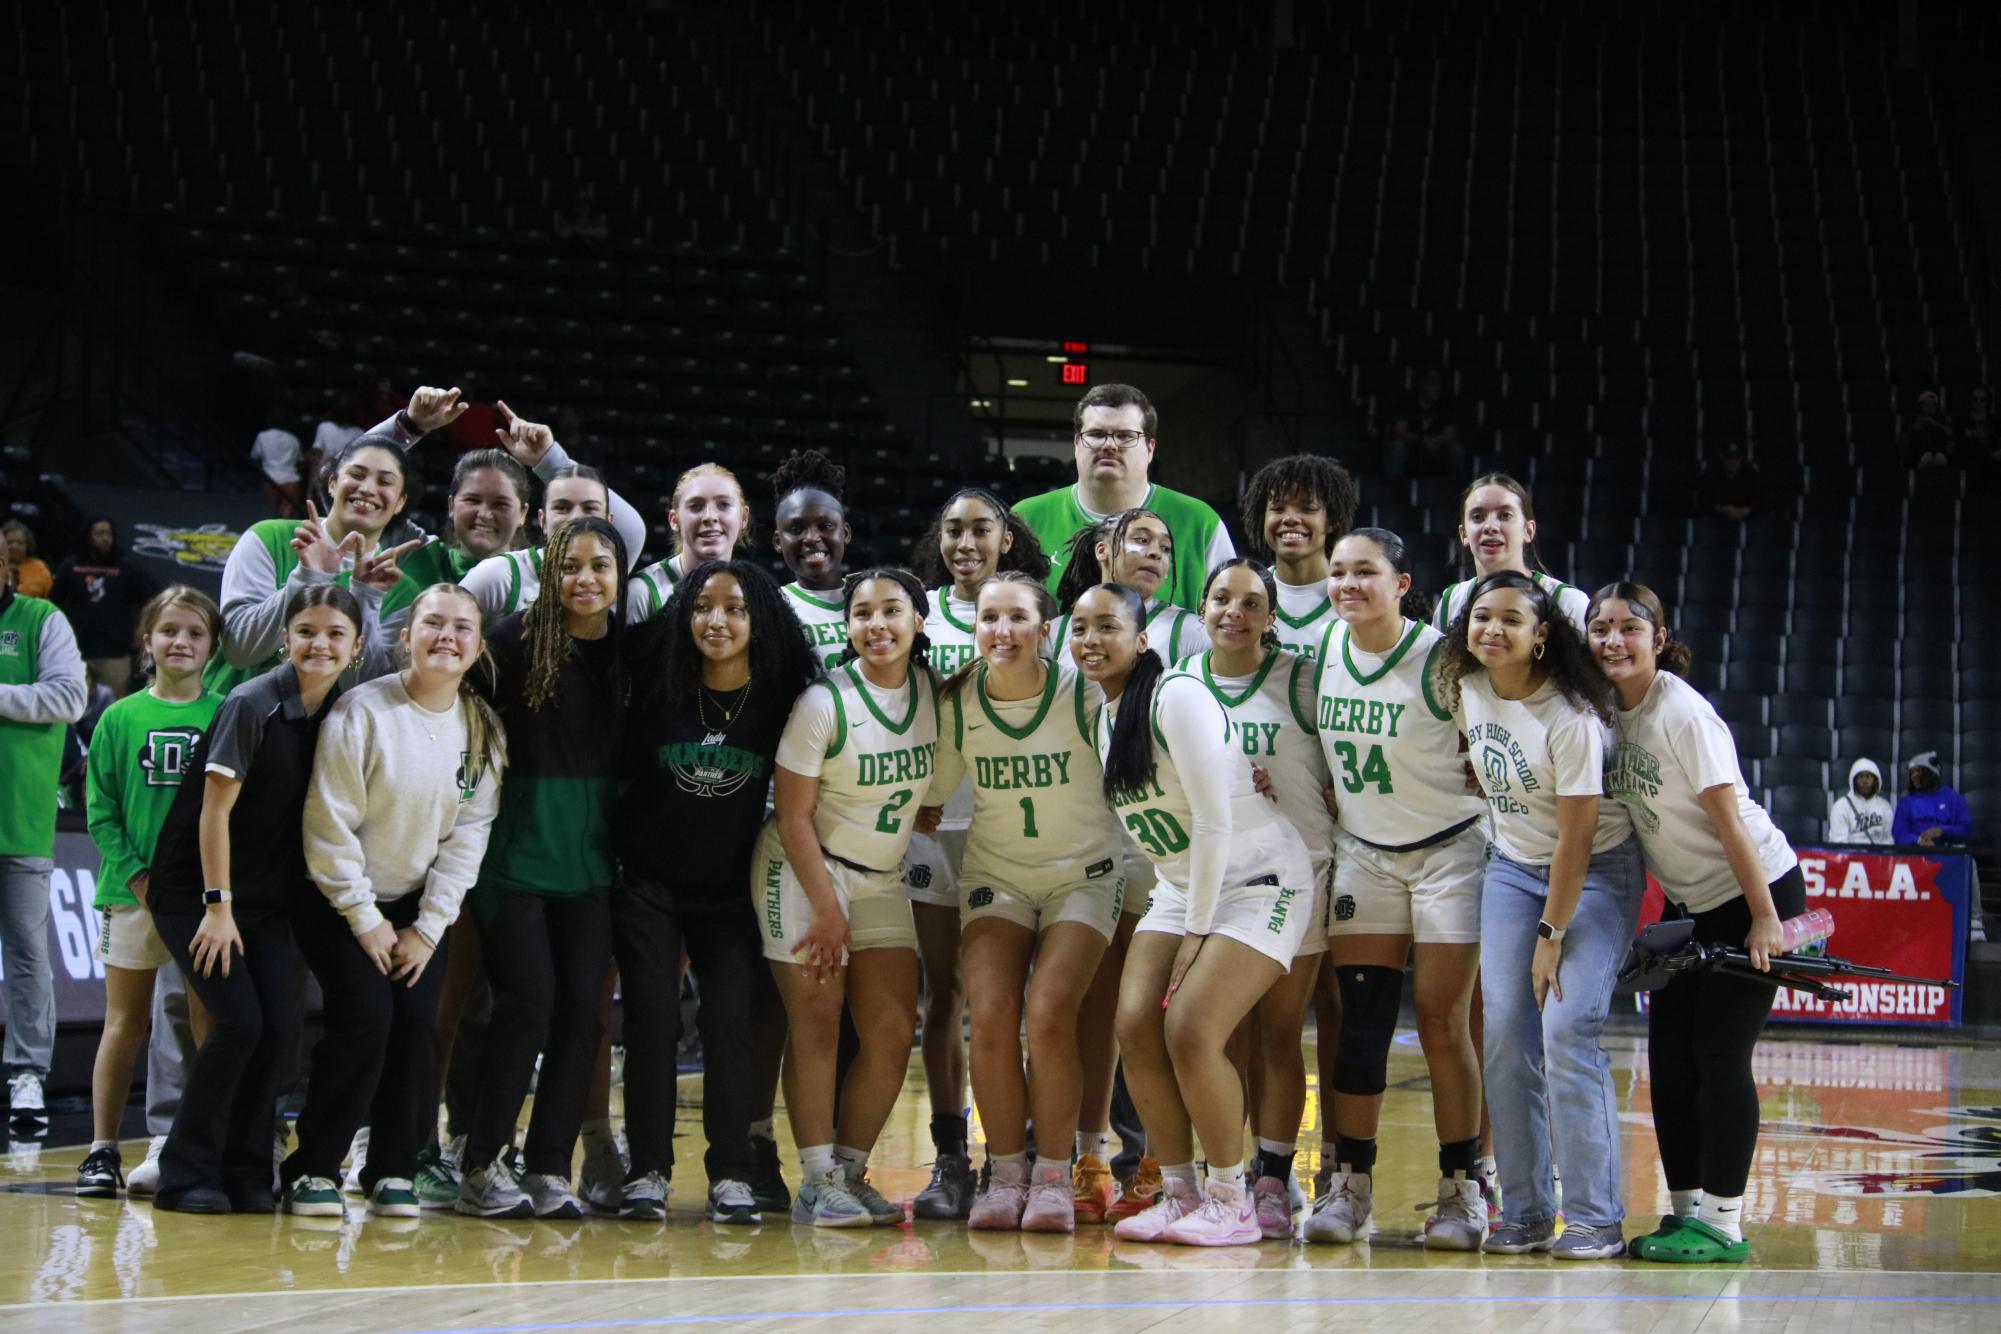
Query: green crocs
1690	1242
1639	1246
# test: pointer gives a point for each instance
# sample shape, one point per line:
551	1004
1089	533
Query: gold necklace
742	694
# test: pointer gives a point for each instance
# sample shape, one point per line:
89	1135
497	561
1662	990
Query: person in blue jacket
1930	813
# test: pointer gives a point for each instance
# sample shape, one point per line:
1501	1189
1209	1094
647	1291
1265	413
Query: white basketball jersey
1172	632
1573	602
1304	613
950	629
1039	808
1392	747
877	768
647	592
1272	712
505	584
825	623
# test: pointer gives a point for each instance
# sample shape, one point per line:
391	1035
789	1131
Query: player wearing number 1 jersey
1410	855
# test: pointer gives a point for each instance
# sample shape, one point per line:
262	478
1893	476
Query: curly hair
1674	655
920	606
1565	657
807	470
1083	572
1312	477
1269	639
1024	554
542	624
779	657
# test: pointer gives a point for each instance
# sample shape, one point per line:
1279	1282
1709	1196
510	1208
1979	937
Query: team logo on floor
1960	1157
204	548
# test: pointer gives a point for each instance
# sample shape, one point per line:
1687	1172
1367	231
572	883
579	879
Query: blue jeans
24	957
1549	1066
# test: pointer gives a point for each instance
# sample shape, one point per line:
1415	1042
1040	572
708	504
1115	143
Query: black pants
377	1062
719	931
1701	1028
221	1136
547	956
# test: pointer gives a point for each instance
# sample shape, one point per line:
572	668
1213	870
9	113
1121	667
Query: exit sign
1076	372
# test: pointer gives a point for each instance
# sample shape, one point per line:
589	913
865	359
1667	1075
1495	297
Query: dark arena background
1716	281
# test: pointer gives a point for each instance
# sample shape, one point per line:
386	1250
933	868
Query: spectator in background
344	423
276	452
1862	814
1730	488
1930	814
31	577
1424	431
102	593
1928	440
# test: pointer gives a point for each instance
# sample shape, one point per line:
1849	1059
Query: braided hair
806	470
543	625
1084	572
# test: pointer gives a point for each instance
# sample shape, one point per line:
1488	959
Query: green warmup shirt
432	563
138	757
31	753
1200	541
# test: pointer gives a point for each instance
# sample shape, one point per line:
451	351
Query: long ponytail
1129	760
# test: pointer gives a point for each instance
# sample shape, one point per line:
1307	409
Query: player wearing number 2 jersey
1410	854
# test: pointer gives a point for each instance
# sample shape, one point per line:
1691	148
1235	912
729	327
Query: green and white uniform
931	867
1227	863
1411	846
1271	711
260	575
1573	602
824	620
509	582
1042	848
649	590
1172	632
1304	613
1201	543
874	751
41	693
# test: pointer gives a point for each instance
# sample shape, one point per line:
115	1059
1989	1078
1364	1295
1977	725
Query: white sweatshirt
1852	818
392	811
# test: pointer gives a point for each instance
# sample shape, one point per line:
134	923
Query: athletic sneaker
145	1178
492	1192
1226	1218
1460	1222
1000	1205
27	1109
1093	1190
827	1202
394	1197
1273	1204
731	1202
1140	1194
1342	1215
314	1197
1581	1242
881	1212
1295	1194
949	1194
437	1181
1052	1205
1177	1199
1521	1238
644	1198
100	1174
767	1181
551	1196
357	1158
602	1183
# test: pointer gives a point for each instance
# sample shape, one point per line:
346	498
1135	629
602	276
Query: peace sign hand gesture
527	441
378	570
316	550
432	409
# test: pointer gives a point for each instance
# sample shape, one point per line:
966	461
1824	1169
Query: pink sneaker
1052	1203
1273	1203
1177	1200
1226	1218
999	1208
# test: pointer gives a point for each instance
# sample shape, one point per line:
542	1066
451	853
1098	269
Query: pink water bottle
1811	927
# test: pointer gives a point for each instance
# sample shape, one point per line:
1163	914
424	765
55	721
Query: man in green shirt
41	693
1114	439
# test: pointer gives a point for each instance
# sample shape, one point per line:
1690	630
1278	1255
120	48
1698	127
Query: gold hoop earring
1540	649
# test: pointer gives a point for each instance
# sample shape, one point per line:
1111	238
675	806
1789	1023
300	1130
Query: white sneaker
1177	1200
1226	1218
492	1192
1342	1215
27	1109
145	1178
551	1196
1460	1222
602	1182
357	1158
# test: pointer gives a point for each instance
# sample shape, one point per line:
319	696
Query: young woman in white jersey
810	529
827	882
1295	509
1558	907
709	518
974	537
1225	921
1723	865
1497	528
512	580
1040	886
1411	851
1267	692
1132	548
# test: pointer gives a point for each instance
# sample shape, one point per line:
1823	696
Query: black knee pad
1370	998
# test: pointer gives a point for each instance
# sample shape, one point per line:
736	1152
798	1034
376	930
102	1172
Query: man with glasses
1114	437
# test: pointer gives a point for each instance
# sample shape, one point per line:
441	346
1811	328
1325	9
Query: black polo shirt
263	737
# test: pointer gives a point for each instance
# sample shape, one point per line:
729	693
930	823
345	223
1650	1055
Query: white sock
1018	1161
1278	1147
816	1161
1231	1176
1686	1202
765	1129
97	1144
854	1162
596	1134
1050	1169
1725	1214
1330	1153
1182	1172
1097	1143
1487	1168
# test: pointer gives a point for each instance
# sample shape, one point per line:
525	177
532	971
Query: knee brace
1370	997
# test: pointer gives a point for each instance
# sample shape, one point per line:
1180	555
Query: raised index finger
507	413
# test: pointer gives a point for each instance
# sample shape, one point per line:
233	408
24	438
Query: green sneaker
394	1197
767	1182
314	1197
437	1181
